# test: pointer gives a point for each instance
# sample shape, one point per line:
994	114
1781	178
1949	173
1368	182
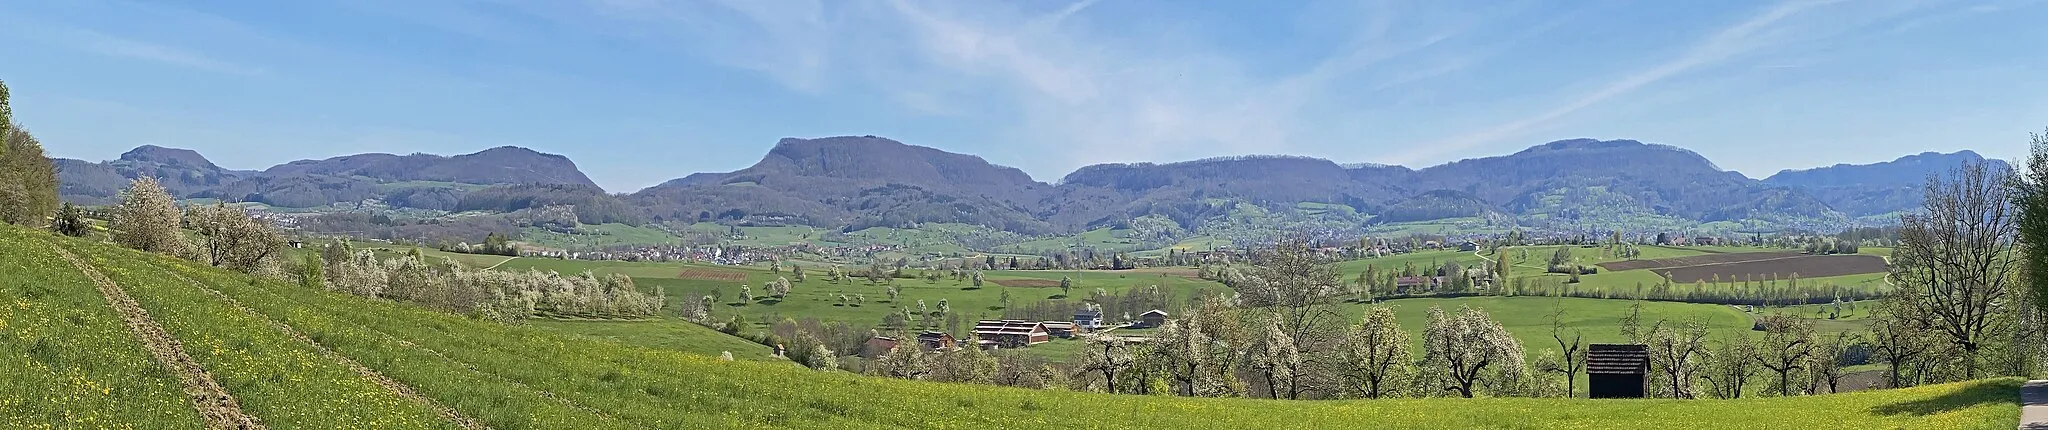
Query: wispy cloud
1773	27
117	46
1074	87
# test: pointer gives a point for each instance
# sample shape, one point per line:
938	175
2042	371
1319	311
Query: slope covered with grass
534	377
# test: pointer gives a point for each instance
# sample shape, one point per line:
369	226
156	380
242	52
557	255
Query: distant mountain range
419	180
1881	188
867	181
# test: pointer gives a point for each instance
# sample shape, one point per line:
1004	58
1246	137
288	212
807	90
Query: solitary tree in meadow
147	219
1470	347
1958	257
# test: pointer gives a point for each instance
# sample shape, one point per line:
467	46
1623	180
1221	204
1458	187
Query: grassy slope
666	334
69	360
617	385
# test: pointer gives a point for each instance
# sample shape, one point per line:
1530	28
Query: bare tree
1377	354
1957	255
1787	347
1574	359
1827	361
1732	365
1900	338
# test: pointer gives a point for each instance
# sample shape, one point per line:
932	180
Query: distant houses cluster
1012	334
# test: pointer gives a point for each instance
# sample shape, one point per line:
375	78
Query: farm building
1617	371
1060	329
1087	319
1150	319
1468	246
877	346
1407	283
936	341
1011	333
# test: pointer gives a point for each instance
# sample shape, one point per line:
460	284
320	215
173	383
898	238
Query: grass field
1526	316
512	377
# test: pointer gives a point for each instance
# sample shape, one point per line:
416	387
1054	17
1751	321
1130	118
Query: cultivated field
702	274
1695	260
1811	266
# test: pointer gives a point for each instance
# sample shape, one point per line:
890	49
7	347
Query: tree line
28	179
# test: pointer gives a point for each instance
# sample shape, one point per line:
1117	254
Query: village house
1406	284
936	341
877	346
1060	329
1087	320
1150	319
1011	333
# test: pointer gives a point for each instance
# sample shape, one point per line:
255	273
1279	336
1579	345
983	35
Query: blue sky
641	91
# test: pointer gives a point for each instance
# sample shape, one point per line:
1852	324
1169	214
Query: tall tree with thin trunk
1958	255
1573	359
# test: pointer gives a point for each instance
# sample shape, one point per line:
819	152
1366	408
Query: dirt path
501	262
219	409
389	384
2034	413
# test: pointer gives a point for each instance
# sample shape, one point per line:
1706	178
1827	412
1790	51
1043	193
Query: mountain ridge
854	182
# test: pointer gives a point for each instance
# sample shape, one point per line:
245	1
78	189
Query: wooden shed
1617	371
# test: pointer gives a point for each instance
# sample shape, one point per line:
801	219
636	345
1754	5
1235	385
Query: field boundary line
213	402
389	384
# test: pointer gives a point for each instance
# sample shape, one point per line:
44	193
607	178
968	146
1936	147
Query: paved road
2034	416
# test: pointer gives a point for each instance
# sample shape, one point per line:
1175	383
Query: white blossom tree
1676	354
231	239
1469	349
147	219
1377	356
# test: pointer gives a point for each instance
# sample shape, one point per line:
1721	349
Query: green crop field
85	371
